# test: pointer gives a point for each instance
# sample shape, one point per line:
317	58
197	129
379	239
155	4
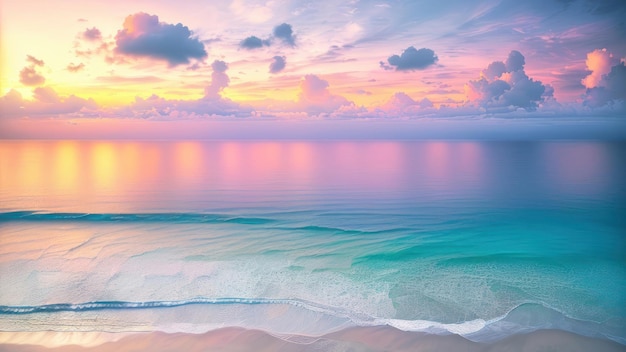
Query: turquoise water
484	239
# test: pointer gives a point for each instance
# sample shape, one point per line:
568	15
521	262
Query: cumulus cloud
494	70
599	62
400	101
157	108
411	59
47	102
46	95
314	96
505	85
144	36
212	104
92	34
284	32
515	61
75	68
253	42
278	64
29	75
400	104
606	84
219	80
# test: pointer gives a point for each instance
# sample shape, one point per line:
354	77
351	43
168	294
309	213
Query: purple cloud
284	32
411	59
505	85
92	34
219	80
253	42
144	36
515	61
278	64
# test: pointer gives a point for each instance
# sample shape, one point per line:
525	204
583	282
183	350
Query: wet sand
353	339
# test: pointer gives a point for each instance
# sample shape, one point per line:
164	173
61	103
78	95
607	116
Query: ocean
312	245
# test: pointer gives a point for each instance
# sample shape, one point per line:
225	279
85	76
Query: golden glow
104	165
32	159
66	165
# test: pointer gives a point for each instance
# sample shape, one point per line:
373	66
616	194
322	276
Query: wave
121	305
278	224
37	216
311	319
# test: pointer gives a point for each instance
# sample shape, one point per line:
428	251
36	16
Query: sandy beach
354	339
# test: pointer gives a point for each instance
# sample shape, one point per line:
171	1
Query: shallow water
482	239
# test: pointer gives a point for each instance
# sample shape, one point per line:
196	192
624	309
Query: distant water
482	239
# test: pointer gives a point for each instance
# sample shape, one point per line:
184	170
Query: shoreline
381	338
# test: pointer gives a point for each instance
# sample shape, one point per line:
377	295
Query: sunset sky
72	68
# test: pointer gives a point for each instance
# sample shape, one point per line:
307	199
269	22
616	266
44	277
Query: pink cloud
314	96
47	102
92	34
219	80
599	62
29	76
402	104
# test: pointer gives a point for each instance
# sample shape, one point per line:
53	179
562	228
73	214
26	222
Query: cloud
212	104
278	64
47	102
515	61
157	108
402	104
75	68
505	85
315	98
46	95
29	75
144	36
599	62
219	80
611	89
253	42
494	70
411	59
34	61
284	32
92	34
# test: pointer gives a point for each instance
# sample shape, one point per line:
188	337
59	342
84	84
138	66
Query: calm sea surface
485	239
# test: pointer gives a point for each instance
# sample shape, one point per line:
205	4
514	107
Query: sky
157	69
